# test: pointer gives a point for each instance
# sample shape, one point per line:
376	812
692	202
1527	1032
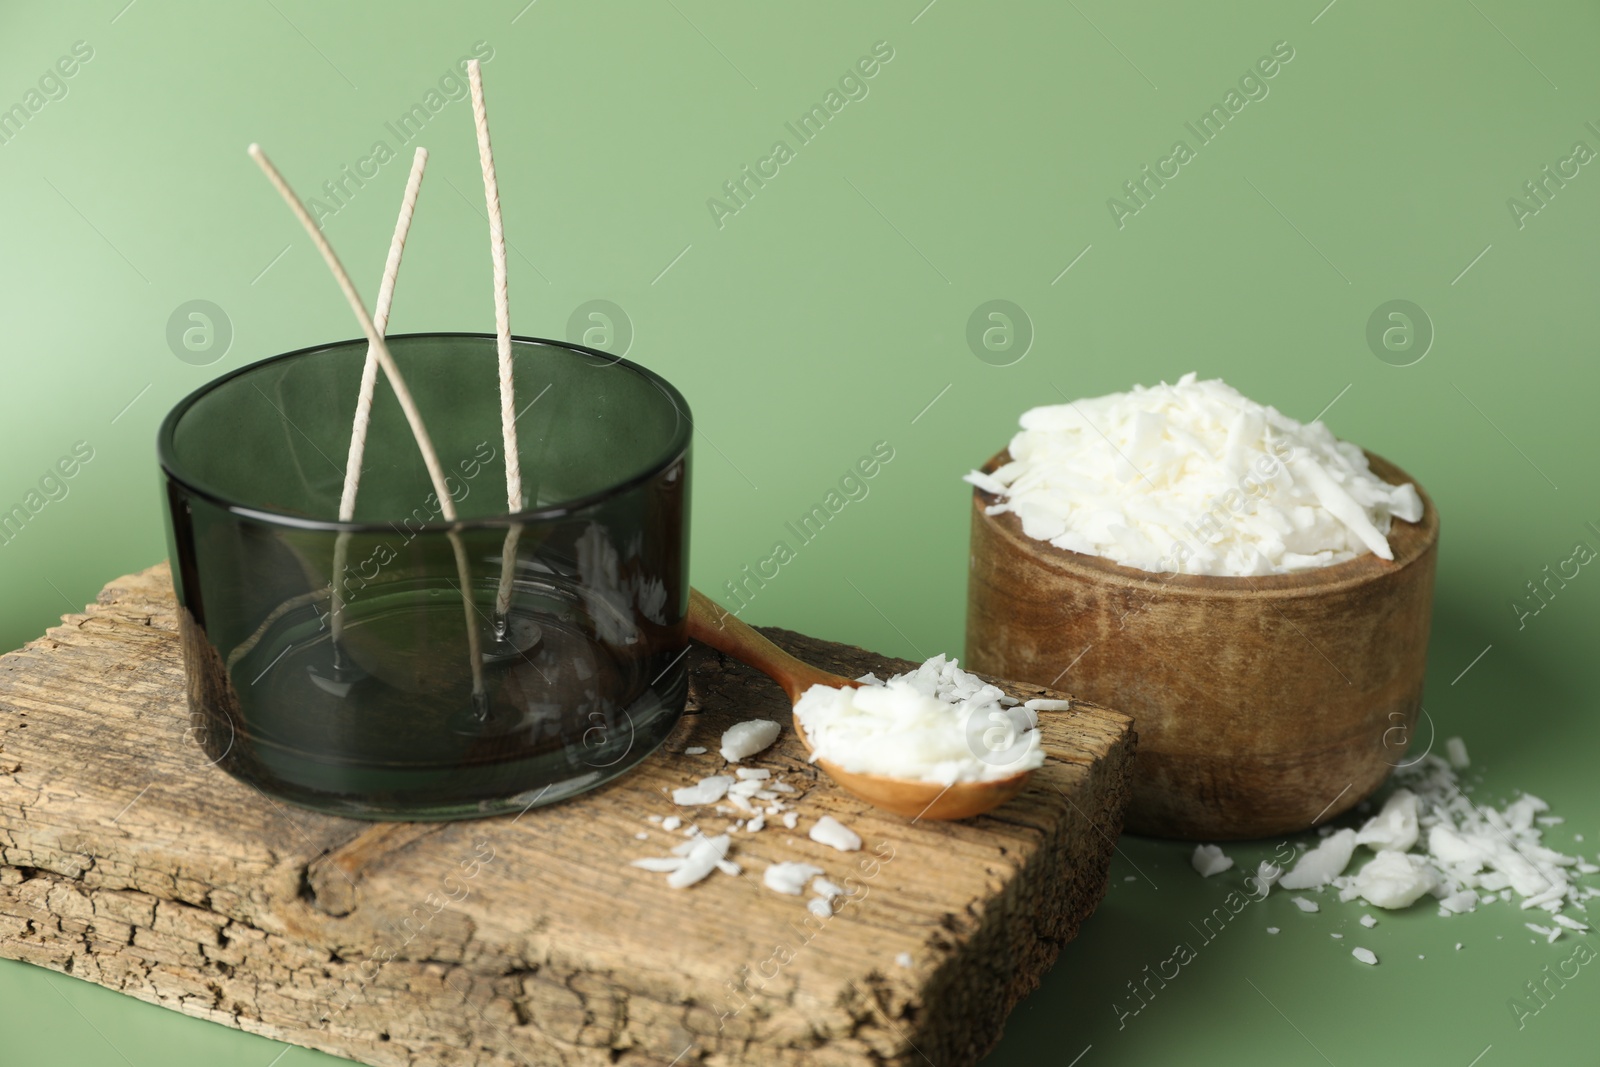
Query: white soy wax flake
791	819
653	818
752	773
904	960
641	836
1210	860
1305	905
747	738
694	750
658	864
937	723
824	888
671	822
1322	864
830	831
1272	929
1337	937
1118	476
819	907
1455	751
756	825
1368	921
789	877
702	859
1365	955
706	791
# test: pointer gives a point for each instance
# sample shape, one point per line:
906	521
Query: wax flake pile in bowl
1194	478
934	724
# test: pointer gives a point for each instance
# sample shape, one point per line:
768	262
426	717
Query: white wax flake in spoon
1209	860
937	723
747	738
832	832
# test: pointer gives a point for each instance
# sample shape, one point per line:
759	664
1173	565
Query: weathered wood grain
126	860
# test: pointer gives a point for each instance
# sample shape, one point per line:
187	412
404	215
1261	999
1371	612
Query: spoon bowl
912	798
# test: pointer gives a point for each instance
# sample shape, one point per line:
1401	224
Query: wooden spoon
711	625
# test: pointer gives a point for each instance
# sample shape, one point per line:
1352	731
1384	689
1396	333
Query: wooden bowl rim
1412	541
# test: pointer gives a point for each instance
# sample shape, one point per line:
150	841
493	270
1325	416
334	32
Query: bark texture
126	860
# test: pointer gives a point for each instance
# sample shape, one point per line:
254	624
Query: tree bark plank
126	860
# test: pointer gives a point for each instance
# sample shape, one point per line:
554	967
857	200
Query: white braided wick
502	324
430	458
380	319
369	384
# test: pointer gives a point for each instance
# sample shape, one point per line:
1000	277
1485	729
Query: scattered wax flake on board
1569	923
656	818
830	831
1365	955
706	855
791	819
937	723
757	824
1117	476
789	877
1337	937
819	907
658	864
752	773
1044	704
1368	921
1458	946
1455	750
671	822
747	738
706	791
694	750
824	888
1130	878
903	960
1272	929
1209	860
1305	905
641	836
1322	864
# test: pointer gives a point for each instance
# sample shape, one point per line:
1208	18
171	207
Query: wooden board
126	860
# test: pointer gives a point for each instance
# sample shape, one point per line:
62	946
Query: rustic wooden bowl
1264	705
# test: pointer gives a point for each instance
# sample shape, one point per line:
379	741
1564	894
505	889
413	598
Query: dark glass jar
429	678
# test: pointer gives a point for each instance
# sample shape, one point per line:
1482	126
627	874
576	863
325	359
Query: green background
831	309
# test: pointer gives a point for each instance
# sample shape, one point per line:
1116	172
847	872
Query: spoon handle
712	625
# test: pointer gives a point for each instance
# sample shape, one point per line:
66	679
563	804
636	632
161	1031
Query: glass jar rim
675	450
